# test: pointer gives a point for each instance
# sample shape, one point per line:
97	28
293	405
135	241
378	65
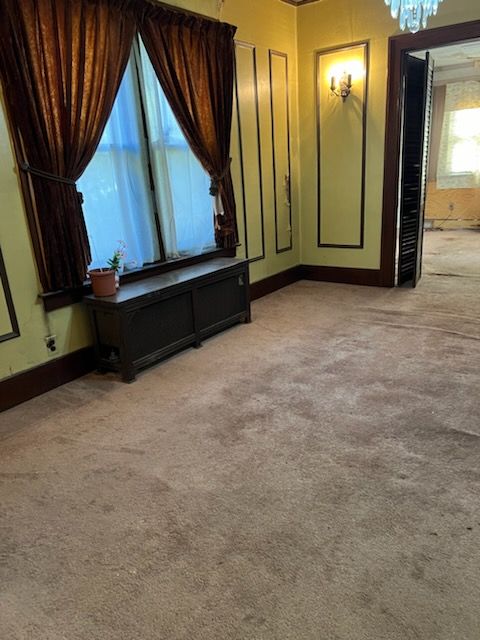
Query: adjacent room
239	319
452	204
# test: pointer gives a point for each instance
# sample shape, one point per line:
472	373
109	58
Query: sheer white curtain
182	185
118	202
459	154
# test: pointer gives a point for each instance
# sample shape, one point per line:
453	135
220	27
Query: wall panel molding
10	308
253	214
321	82
281	166
299	3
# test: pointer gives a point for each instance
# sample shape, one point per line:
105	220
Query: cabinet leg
128	374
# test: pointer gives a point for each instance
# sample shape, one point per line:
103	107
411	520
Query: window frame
459	139
57	299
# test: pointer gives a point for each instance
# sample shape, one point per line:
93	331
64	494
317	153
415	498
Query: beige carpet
314	475
452	252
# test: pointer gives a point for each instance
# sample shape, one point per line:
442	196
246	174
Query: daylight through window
144	185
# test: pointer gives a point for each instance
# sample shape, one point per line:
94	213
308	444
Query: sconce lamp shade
342	86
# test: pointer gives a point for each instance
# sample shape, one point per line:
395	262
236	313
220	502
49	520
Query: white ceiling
455	63
466	53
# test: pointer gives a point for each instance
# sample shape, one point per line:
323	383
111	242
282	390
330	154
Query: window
144	185
464	134
459	153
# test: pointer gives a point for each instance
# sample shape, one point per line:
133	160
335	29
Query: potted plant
105	280
117	260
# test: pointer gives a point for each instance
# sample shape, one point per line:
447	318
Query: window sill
459	174
64	298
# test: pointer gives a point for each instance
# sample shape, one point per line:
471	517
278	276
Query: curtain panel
61	63
193	58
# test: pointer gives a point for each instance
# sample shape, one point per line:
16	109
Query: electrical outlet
51	344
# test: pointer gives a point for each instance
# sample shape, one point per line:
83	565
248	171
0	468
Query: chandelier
413	13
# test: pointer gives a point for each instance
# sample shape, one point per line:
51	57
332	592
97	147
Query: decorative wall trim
275	282
342	275
397	47
28	384
271	54
252	48
298	3
15	332
318	54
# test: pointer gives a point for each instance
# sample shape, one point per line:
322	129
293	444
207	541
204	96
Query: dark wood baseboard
28	384
342	275
367	277
275	282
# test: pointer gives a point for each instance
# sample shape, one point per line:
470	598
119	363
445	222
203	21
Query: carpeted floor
452	252
314	475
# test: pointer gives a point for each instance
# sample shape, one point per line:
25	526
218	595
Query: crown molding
298	3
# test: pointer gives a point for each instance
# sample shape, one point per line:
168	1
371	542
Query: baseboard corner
34	382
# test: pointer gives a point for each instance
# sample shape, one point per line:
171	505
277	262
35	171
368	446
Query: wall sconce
342	87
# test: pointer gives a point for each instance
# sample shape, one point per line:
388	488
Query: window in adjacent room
464	131
144	185
459	154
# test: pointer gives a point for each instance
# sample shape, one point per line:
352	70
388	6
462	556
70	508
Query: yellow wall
340	137
69	324
267	24
452	208
331	23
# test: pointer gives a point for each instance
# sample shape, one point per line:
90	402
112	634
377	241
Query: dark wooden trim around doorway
397	47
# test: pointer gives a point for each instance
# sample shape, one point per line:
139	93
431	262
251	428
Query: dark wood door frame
398	46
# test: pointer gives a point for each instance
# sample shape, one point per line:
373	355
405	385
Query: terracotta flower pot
103	282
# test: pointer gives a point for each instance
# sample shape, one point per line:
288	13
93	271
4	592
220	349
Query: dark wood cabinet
148	320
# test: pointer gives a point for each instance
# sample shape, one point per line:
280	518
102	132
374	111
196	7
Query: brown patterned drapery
61	64
193	58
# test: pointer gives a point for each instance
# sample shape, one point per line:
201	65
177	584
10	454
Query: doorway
452	207
442	141
402	54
